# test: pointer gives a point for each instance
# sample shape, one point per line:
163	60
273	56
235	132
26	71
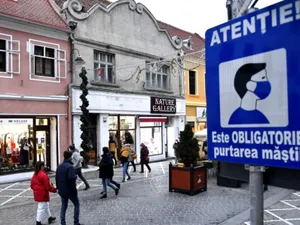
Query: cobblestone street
143	200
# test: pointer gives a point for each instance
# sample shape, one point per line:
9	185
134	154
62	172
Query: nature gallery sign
163	105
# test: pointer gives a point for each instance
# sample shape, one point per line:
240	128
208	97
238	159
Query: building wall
197	100
133	37
23	83
24	94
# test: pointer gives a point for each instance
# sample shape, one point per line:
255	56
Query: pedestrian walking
66	184
144	158
41	186
131	158
106	172
76	160
125	151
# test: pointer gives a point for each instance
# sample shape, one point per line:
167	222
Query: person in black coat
106	172
66	184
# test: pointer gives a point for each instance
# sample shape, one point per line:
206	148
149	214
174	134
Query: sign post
252	89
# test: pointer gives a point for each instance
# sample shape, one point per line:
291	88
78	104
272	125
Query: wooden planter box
188	180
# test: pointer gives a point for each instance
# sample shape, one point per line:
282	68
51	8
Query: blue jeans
64	206
105	183
125	171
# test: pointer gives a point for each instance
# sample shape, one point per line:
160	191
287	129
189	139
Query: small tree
84	117
187	150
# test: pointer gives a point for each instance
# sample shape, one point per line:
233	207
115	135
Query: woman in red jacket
41	186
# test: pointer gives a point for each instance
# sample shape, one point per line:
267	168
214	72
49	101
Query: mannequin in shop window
24	152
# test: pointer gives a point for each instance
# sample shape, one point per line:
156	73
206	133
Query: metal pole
256	195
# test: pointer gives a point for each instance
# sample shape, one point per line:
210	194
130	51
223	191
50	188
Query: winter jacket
106	170
66	179
76	159
144	154
40	184
125	151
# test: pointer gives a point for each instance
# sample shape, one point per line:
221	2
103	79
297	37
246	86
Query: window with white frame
48	61
2	56
192	82
158	78
9	56
44	61
104	65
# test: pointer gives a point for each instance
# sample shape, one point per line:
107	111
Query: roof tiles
37	11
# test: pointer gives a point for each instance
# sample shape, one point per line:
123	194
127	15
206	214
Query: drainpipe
181	76
229	9
70	116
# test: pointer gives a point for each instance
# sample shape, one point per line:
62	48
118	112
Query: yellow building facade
195	93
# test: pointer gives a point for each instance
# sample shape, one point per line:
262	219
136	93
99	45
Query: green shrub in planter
187	150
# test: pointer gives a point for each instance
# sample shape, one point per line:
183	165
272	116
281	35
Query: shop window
127	122
104	65
151	136
158	78
192	82
128	138
16	144
113	122
41	122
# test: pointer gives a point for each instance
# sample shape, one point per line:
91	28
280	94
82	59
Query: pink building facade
35	74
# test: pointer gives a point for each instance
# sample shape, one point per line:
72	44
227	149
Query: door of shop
42	135
118	125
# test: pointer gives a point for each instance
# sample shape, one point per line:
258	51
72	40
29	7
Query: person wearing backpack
41	186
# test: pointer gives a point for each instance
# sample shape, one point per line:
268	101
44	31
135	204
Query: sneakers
129	178
51	219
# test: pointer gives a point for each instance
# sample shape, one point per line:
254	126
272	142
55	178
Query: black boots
51	219
103	196
86	188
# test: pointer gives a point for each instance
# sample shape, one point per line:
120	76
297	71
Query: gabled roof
86	3
198	41
36	11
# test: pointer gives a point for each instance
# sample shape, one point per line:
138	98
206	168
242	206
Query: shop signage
14	121
163	105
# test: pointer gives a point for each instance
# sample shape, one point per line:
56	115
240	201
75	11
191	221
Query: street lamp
79	60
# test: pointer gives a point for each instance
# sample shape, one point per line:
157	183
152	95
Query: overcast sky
195	16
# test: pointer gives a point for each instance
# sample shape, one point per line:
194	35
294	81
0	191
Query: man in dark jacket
66	184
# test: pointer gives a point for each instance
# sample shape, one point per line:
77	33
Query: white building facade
135	77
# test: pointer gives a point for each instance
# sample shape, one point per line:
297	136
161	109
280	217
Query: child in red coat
41	186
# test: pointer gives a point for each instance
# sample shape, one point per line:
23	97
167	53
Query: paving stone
143	200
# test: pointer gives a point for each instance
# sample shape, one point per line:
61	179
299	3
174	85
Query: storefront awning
153	119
